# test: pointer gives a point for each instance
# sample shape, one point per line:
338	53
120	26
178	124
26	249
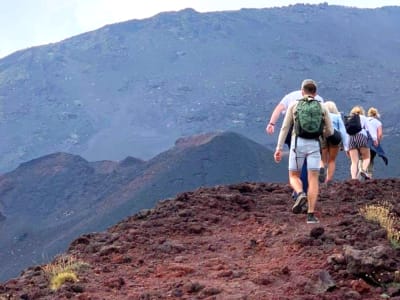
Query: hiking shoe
304	209
300	201
364	175
322	175
311	219
329	183
294	196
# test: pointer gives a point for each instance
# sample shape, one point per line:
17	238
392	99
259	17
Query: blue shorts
306	148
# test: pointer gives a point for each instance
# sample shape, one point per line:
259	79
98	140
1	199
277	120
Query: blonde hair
373	112
331	107
357	110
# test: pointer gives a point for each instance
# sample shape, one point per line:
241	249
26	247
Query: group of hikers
315	132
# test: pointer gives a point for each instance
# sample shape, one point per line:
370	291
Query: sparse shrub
381	214
59	279
63	269
397	276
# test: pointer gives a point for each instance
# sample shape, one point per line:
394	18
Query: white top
366	126
292	97
374	124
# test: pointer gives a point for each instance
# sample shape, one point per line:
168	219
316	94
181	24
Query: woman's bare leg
333	152
365	154
354	163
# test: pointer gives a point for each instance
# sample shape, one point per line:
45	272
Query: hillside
235	242
133	88
47	202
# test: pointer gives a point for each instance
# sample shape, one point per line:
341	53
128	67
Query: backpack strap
294	121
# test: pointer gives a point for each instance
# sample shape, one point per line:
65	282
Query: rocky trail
235	242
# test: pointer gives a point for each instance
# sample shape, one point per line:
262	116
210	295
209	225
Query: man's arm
274	118
286	125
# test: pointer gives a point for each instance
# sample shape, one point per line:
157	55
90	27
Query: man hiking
309	120
281	108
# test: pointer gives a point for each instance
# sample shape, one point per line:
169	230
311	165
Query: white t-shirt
367	126
292	97
374	123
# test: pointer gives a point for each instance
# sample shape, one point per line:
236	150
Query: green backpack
309	119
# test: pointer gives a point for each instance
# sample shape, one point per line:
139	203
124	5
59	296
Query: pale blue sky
27	23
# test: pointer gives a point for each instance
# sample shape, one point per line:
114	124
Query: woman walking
358	143
375	126
331	145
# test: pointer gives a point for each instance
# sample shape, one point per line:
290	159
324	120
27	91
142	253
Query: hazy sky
27	23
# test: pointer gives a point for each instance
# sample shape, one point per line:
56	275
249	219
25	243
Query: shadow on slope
49	201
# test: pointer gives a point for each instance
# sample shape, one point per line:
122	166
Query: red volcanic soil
236	242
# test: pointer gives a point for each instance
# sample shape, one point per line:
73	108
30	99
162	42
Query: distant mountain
49	201
135	87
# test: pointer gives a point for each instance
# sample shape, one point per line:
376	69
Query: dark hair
310	88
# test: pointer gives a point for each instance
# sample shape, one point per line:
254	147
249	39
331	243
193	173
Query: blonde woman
358	145
375	127
330	146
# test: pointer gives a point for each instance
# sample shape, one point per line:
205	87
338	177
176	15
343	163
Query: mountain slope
49	201
235	242
133	88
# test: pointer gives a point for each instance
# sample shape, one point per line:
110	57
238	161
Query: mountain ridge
50	200
135	87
